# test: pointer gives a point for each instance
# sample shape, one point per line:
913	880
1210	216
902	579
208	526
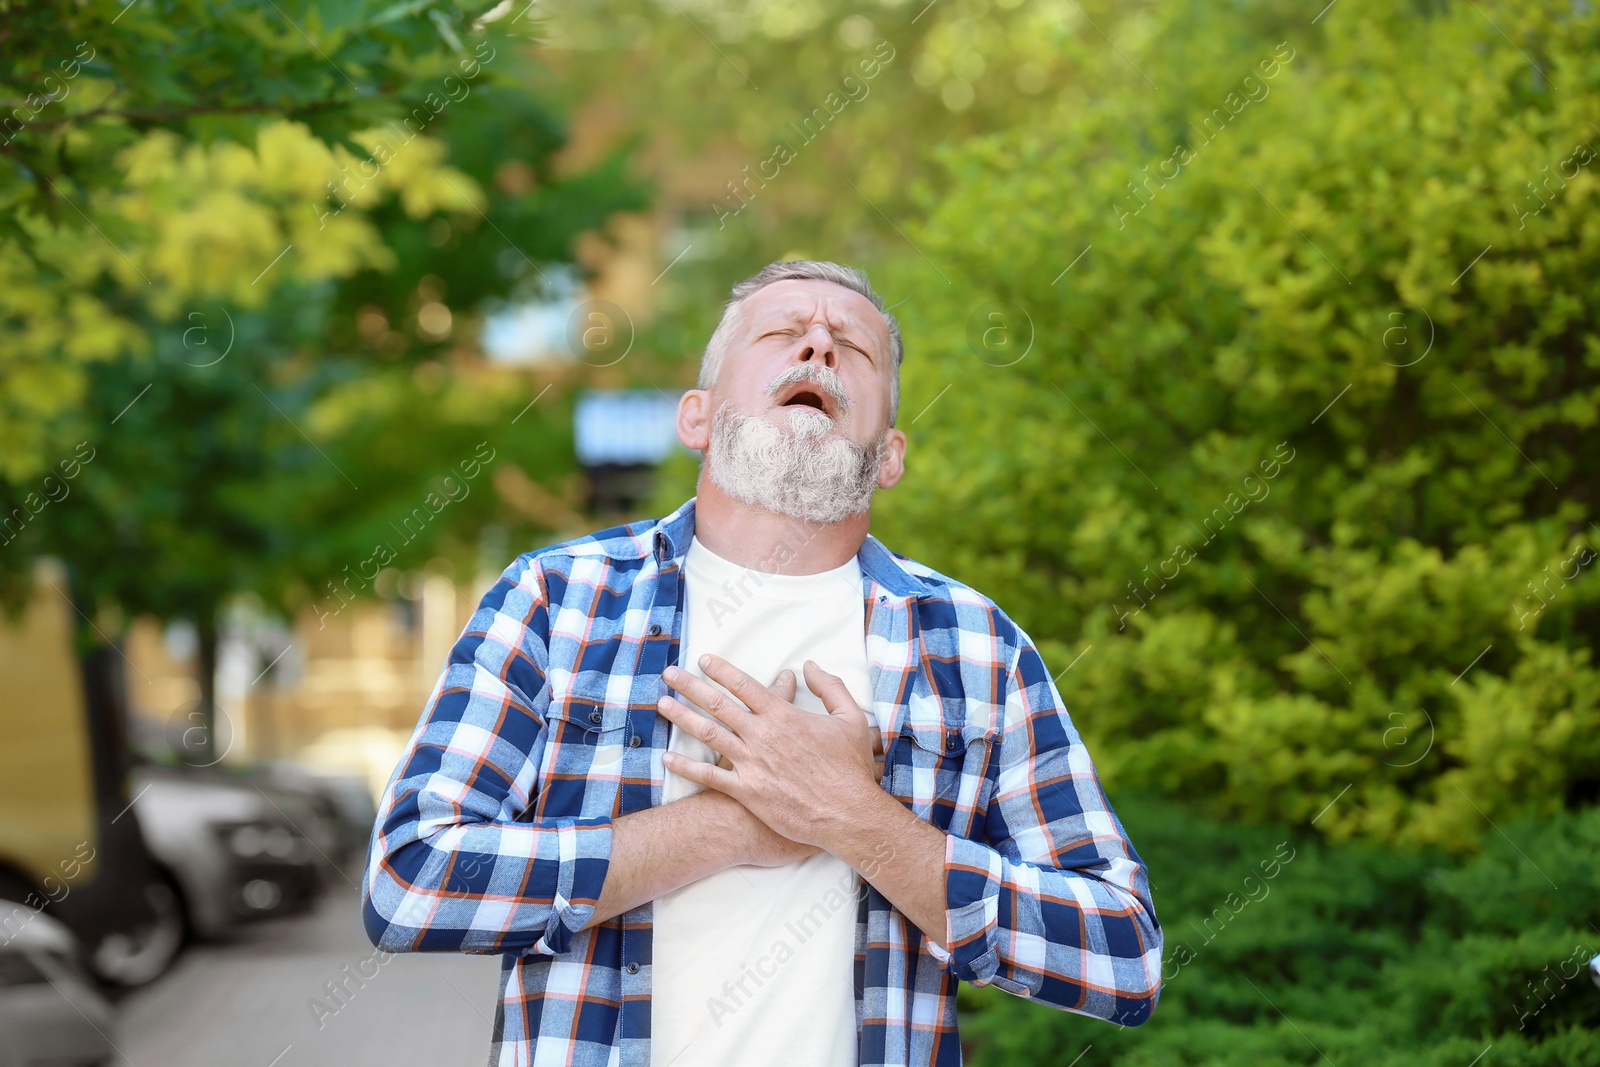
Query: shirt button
634	742
633	968
655	629
950	743
595	716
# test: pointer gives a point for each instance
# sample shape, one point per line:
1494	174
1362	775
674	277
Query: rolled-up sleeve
452	865
1054	903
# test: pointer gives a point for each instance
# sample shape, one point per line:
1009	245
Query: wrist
725	827
838	829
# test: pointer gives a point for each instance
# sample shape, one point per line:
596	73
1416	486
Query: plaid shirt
494	835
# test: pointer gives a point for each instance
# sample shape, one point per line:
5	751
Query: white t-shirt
755	965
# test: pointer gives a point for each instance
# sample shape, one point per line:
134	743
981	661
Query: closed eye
843	342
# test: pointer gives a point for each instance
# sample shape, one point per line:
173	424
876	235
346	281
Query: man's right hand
752	840
765	847
650	856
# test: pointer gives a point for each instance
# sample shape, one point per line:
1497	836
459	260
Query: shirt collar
670	537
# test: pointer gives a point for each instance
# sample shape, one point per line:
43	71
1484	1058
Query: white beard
802	471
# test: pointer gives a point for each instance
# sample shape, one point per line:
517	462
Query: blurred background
1252	366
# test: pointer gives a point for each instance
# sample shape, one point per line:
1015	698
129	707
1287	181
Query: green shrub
1352	952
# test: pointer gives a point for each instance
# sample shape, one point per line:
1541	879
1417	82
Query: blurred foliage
246	246
1306	426
1258	361
158	155
812	122
1284	951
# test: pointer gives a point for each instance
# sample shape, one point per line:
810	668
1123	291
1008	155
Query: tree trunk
205	625
108	900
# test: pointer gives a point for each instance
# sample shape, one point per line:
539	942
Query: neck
764	540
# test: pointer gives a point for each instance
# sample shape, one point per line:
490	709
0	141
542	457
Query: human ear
893	466
694	419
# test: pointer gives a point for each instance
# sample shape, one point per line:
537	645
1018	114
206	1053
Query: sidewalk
263	1001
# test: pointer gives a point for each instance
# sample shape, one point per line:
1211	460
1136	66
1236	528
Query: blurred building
340	696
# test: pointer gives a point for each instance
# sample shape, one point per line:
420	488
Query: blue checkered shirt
494	834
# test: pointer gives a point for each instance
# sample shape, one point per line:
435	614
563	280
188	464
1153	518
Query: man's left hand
801	773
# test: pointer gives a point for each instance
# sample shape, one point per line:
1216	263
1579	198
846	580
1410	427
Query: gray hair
803	270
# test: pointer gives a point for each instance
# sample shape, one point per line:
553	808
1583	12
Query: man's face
796	323
797	421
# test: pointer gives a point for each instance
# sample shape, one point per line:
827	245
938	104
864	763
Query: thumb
783	687
830	689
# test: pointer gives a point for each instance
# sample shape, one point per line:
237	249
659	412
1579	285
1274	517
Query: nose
817	346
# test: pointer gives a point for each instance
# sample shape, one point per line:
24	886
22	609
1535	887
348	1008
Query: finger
831	690
727	710
713	733
753	693
784	686
712	777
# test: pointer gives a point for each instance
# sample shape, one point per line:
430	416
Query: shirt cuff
585	858
973	875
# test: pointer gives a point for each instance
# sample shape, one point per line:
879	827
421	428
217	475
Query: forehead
805	298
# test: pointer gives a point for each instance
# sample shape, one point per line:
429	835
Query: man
723	877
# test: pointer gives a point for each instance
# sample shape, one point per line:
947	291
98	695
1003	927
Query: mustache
824	378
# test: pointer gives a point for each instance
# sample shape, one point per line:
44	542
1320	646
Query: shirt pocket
938	768
582	759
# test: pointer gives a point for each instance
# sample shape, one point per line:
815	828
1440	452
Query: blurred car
237	850
139	953
50	1011
357	811
341	802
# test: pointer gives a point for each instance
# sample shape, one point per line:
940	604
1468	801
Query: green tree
247	243
1299	458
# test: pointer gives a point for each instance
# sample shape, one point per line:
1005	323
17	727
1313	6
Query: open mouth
809	397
